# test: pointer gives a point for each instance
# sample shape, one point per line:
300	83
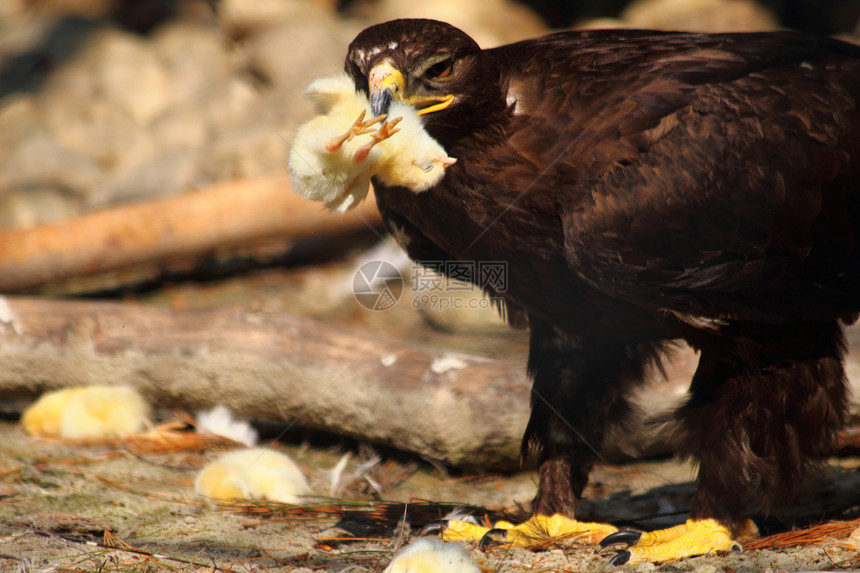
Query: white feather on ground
339	175
220	421
87	412
254	473
430	555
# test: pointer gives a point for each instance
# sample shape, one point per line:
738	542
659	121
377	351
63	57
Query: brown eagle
644	187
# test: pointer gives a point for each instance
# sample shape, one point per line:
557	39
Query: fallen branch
195	223
458	409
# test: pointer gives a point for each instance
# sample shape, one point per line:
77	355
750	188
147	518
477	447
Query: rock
699	15
240	18
31	207
41	162
104	132
195	59
252	152
19	118
234	105
118	68
490	23
298	51
163	175
181	128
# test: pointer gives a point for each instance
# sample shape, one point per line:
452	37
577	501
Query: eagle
645	187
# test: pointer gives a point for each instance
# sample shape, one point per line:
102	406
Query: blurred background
112	102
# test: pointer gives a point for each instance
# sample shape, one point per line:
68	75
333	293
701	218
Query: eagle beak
429	104
386	85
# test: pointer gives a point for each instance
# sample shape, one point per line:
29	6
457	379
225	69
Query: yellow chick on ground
431	555
253	473
335	154
87	412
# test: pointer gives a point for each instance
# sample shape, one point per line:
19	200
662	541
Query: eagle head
430	65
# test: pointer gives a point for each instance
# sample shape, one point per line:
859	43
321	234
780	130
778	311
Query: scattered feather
340	480
220	422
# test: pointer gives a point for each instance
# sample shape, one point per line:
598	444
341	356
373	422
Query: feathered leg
578	403
774	409
765	403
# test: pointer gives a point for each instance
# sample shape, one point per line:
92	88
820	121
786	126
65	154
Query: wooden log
453	408
461	410
195	223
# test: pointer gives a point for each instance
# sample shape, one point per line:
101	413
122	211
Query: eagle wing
699	184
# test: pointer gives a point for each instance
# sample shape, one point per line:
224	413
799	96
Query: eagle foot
537	532
695	537
358	127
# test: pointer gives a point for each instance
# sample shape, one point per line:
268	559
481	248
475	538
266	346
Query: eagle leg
578	403
765	402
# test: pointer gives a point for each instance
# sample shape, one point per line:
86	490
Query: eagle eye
440	70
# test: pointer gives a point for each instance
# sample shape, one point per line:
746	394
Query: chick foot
358	127
695	537
386	130
536	532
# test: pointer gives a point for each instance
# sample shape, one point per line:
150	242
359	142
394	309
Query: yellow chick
253	473
430	555
87	412
335	154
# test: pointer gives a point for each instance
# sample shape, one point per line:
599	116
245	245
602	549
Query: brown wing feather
692	176
743	207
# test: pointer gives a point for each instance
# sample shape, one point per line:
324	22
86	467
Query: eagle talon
497	535
620	559
626	536
433	527
694	537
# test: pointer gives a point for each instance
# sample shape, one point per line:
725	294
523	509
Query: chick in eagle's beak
387	84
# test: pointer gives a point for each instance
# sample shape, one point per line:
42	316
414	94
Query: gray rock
31	207
180	128
233	105
19	118
106	133
253	152
39	161
490	23
295	52
195	59
118	68
164	175
241	18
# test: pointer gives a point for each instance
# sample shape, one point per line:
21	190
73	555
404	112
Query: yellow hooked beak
386	84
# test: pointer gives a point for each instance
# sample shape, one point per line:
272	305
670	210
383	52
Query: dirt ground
129	506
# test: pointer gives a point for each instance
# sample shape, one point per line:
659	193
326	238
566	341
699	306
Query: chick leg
385	131
358	127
